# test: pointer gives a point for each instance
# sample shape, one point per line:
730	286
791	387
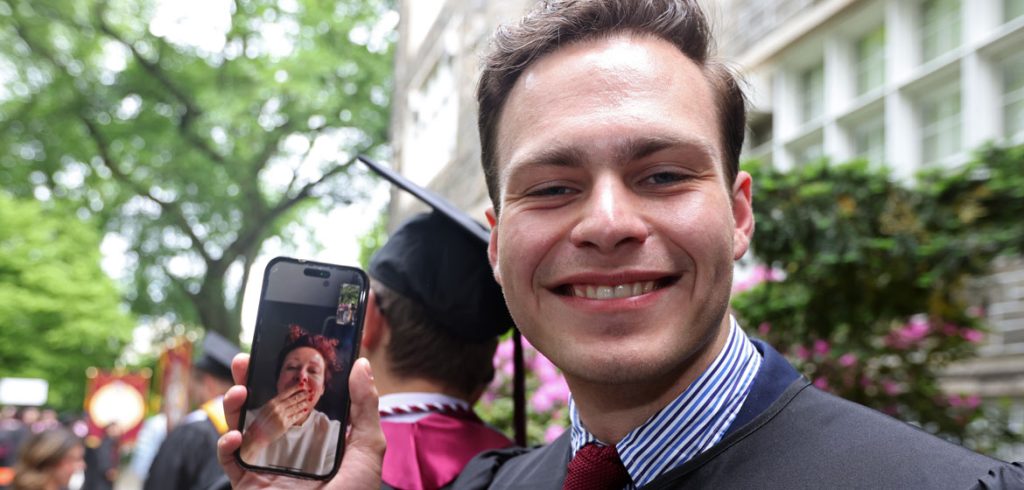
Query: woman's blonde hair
40	455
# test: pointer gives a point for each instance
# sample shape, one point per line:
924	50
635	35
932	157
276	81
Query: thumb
364	451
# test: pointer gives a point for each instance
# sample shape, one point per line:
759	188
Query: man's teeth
612	292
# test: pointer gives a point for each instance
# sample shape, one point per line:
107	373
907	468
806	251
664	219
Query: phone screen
307	336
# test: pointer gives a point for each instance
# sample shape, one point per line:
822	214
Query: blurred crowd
41	450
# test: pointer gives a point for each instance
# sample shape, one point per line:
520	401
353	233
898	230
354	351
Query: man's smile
613	290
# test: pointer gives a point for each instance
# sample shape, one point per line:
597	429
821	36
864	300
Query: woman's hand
364	444
273	419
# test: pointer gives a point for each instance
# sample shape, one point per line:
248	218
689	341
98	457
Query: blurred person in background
188	457
47	420
10	437
147	443
48	460
101	461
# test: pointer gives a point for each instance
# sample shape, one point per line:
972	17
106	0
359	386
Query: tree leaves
878	271
194	155
59	312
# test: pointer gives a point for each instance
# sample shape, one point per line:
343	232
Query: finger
233	401
296	400
226	447
240	368
364	453
298	391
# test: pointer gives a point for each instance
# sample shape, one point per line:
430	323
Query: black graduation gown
187	459
787	435
98	462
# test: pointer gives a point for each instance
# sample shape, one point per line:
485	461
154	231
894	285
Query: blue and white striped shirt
690	424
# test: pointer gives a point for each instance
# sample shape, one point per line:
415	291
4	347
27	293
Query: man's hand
364	444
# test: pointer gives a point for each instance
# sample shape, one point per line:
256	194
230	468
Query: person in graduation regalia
188	456
430	334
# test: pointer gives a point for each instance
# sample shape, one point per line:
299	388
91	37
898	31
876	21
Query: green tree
195	150
871	295
59	313
373	240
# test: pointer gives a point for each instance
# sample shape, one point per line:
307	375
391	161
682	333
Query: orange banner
116	397
174	374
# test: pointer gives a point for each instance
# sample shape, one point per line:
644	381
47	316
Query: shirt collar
395	400
695	421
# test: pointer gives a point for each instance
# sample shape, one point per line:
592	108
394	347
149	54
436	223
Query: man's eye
555	190
662	178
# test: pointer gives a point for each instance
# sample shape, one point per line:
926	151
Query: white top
309	448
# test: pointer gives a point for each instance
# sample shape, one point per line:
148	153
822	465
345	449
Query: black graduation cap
217	355
433	261
439	259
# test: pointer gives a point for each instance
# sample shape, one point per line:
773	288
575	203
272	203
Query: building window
871	60
1013	99
812	93
1012	9
869	140
806	152
940	124
940	28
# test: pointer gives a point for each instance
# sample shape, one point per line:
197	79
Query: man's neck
387	385
610	412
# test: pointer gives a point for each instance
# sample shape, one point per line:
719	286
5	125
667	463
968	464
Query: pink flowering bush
865	287
547	397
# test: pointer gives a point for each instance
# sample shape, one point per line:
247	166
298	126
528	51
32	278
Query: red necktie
596	468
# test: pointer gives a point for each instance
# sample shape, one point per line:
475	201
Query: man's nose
611	216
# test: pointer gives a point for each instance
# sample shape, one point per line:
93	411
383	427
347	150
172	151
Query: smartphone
307	335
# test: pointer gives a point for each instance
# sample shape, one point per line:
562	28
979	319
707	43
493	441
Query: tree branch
285	204
178	283
192	110
167	206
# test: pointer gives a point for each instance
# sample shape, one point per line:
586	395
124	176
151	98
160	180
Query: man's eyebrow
627	150
559	156
639	147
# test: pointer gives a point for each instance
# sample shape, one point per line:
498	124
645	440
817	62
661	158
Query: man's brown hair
556	23
420	348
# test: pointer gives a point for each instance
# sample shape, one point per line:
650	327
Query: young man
431	328
610	143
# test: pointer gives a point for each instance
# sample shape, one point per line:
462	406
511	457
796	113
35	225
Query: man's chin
614	369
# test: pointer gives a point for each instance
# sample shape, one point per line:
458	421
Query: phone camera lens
327	283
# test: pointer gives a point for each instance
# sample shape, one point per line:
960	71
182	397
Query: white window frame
946	129
1013	96
812	89
948	26
874	61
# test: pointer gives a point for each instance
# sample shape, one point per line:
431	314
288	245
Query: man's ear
742	214
492	245
373	324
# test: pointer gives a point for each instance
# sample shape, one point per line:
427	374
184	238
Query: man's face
617	232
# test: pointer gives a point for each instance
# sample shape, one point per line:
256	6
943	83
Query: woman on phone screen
288	431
